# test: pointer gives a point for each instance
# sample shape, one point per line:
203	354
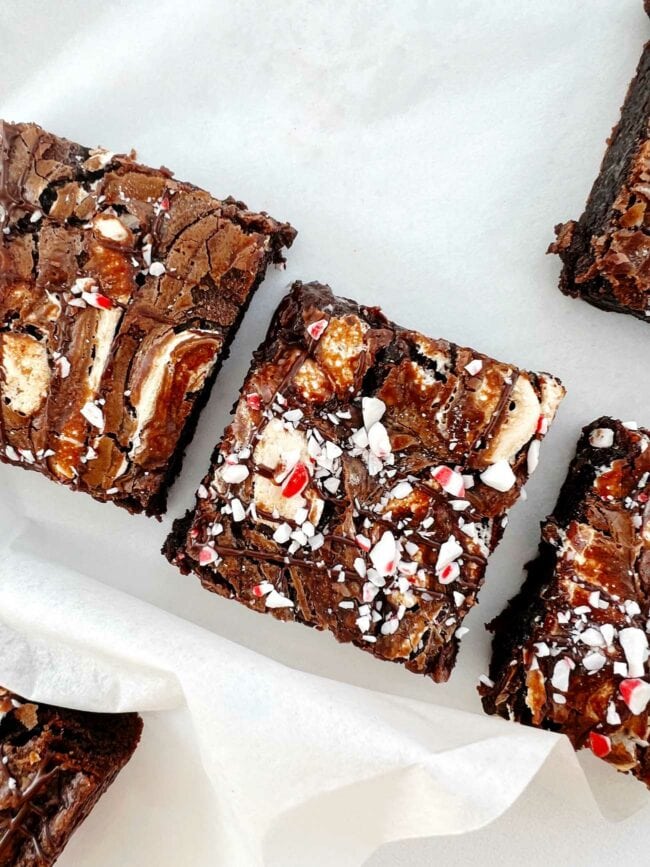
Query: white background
424	151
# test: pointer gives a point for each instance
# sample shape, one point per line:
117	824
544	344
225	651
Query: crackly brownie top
572	650
118	288
54	763
365	478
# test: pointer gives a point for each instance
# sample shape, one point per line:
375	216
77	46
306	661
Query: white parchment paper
424	150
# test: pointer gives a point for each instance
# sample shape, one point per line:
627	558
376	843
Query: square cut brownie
365	479
571	650
120	292
54	766
606	252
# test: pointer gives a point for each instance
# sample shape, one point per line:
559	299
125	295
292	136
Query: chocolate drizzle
54	765
388	557
123	350
25	803
570	650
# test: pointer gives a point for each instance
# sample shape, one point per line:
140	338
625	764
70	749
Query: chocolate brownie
571	650
54	766
365	479
120	292
606	252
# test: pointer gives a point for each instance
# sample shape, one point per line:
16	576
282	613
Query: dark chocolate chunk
365	479
120	292
570	652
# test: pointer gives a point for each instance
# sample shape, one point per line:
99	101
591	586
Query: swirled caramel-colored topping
365	479
571	651
120	290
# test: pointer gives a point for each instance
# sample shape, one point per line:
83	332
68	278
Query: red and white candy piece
449	480
262	589
635	693
207	555
362	541
449	551
600	745
97	300
542	425
297	480
253	400
449	573
316	329
384	555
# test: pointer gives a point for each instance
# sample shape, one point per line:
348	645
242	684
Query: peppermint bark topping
353	486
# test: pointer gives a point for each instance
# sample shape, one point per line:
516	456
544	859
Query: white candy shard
277	600
93	414
561	672
592	637
499	476
635	646
234	474
475	366
378	440
594	661
282	534
533	456
372	409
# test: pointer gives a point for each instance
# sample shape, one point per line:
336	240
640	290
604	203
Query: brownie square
54	766
605	253
120	292
570	652
365	479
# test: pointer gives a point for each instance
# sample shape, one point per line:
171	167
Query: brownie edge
55	764
605	253
570	651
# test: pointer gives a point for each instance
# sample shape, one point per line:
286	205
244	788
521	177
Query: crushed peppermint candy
93	414
449	480
499	476
316	329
